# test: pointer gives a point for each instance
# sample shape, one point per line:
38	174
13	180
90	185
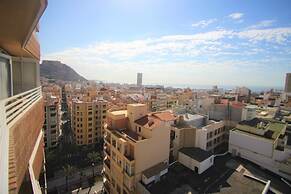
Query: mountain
59	71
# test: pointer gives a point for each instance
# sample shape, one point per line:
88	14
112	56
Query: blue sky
219	42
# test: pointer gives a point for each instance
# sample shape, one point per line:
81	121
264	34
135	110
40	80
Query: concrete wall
146	180
252	143
22	131
191	163
150	152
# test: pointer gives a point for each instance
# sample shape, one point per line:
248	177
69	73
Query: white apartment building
197	131
264	143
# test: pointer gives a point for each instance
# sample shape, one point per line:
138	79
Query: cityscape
174	114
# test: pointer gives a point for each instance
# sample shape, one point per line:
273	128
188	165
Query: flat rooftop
227	175
196	153
156	169
272	129
119	112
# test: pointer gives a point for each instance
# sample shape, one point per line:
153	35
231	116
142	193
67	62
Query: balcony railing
107	162
16	112
17	104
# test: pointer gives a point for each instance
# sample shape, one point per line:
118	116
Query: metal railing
19	103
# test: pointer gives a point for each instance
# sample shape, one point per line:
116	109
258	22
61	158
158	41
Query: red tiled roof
147	121
165	116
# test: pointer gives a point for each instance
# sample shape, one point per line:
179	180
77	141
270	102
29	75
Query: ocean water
252	88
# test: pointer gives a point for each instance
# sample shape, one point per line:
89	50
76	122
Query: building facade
88	119
131	136
263	142
288	83
139	79
52	121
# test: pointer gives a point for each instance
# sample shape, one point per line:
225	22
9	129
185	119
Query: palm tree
68	170
93	158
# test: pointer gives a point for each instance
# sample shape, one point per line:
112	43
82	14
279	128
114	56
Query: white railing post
4	149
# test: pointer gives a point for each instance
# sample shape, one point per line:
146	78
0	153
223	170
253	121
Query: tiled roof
147	121
165	116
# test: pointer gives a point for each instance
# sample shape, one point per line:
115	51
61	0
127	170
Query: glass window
5	77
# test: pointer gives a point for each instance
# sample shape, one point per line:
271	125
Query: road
60	181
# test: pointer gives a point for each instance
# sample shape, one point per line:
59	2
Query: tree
68	170
93	158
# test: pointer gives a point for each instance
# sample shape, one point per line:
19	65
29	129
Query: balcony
107	149
107	186
17	35
24	148
107	138
129	157
107	162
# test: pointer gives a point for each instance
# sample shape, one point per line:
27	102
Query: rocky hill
59	71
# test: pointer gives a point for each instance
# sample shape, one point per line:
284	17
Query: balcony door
25	74
5	77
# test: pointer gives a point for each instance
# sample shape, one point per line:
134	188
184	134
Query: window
139	129
90	135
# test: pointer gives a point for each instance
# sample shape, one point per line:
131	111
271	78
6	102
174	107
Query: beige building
88	119
158	102
52	121
197	131
136	148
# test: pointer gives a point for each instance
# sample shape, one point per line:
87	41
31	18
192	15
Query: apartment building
52	123
197	131
264	143
88	119
231	112
21	137
139	79
136	148
158	102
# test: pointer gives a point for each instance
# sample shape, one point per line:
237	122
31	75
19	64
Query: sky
173	42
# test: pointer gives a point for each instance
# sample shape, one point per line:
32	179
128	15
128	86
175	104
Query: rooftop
119	112
156	169
227	175
148	121
164	116
196	153
270	129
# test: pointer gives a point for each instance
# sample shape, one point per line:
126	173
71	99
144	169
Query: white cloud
204	23
236	16
262	24
165	56
273	35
